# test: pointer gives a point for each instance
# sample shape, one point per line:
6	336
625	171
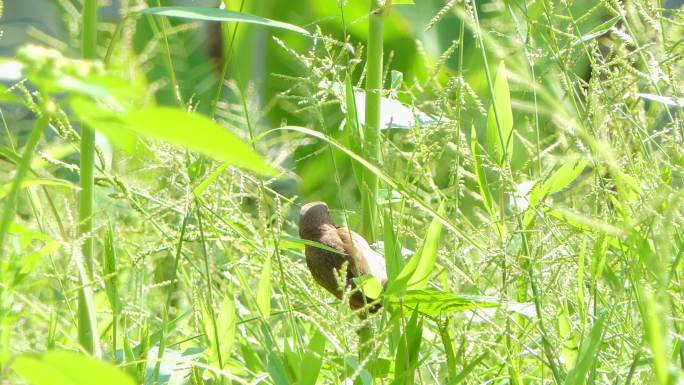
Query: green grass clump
527	155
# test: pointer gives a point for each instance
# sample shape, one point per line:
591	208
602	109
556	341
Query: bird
316	225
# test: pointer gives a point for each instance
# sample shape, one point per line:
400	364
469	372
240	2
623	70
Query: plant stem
369	188
85	212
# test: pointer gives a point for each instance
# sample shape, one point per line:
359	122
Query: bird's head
311	216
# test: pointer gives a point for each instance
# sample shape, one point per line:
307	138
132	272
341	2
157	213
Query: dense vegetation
524	156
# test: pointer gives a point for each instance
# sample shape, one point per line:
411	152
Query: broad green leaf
416	273
263	298
222	15
197	133
587	354
427	255
397	2
369	285
500	136
174	126
67	368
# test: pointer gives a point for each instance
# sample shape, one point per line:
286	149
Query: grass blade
221	15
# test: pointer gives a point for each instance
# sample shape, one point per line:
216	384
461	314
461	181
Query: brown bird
316	225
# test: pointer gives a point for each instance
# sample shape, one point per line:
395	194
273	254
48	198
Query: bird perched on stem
316	225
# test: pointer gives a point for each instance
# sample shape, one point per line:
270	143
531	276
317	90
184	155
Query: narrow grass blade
263	298
393	258
587	354
500	120
406	360
655	337
221	15
209	180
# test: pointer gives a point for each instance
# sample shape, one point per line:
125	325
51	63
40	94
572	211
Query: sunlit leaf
427	255
369	285
198	133
174	126
68	368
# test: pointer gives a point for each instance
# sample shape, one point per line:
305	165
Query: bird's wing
355	264
365	259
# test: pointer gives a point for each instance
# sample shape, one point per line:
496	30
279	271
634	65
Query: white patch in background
394	114
666	100
519	199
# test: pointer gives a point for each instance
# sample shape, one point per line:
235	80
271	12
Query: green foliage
67	368
530	211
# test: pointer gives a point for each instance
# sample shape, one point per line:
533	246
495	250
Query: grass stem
374	59
87	167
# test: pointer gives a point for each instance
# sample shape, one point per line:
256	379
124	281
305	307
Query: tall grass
87	335
538	190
